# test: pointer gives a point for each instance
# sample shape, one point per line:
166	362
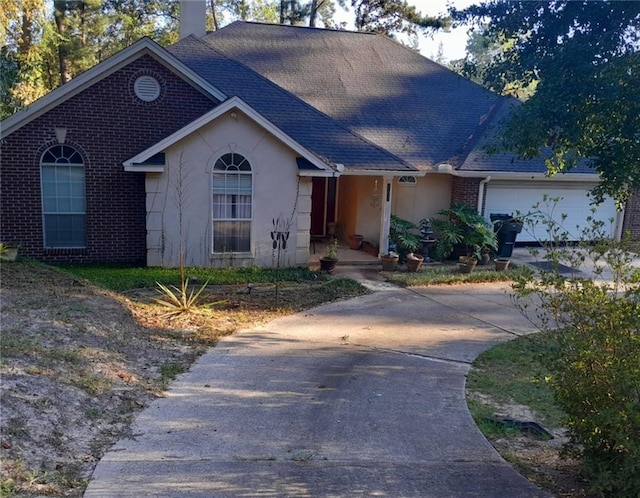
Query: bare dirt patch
78	363
538	459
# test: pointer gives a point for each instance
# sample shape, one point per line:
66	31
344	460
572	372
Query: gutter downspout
481	193
619	223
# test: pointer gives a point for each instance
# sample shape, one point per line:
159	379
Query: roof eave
144	46
233	103
530	176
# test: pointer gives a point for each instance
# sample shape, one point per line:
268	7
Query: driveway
357	398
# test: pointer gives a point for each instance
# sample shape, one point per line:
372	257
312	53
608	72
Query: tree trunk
213	14
314	13
63	66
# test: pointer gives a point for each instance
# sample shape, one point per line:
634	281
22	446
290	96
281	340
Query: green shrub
464	227
595	370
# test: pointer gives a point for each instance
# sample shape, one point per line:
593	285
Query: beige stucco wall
360	202
429	195
275	182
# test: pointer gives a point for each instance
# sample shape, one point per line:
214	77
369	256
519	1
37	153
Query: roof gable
143	162
145	46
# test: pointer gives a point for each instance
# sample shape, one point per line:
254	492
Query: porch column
385	213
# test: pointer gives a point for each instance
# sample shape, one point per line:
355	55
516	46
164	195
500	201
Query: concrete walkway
357	398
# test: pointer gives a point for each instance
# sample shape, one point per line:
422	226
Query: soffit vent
147	88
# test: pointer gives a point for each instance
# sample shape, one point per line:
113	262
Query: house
206	148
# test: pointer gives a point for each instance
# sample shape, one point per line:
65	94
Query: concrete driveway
357	398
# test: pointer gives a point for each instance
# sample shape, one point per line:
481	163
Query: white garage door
510	197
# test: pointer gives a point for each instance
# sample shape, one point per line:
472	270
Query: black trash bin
507	229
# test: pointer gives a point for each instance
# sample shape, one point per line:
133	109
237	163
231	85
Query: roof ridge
208	45
293	26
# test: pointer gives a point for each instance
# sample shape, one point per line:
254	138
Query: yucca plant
179	299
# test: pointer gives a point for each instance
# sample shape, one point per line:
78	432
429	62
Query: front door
323	204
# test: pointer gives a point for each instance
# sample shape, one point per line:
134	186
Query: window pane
48	173
232	236
63	197
64	205
64	230
232	201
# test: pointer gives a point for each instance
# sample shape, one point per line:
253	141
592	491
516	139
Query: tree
392	16
583	58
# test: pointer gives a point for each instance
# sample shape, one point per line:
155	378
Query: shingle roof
409	105
478	159
319	133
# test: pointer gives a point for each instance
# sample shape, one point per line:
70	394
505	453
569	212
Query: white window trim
44	213
407	181
235	254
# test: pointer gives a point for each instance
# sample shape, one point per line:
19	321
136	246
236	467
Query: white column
385	213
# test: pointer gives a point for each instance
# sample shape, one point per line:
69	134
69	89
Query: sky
453	43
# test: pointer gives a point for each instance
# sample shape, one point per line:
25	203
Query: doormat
548	266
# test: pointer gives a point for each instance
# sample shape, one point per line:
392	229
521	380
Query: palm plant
403	234
464	227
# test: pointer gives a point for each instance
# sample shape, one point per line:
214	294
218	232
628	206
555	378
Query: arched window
232	200
63	197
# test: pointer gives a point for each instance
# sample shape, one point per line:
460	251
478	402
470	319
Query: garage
510	197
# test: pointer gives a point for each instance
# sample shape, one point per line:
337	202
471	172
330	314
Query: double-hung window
63	197
232	201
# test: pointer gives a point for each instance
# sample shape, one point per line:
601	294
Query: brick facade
108	124
631	222
465	190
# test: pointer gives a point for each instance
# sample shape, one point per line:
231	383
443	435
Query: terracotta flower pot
467	264
355	241
389	263
414	262
502	263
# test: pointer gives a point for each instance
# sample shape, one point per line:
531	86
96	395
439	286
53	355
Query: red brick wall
632	216
465	190
108	125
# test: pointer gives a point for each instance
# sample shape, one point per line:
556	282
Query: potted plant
502	263
8	251
467	263
355	241
403	234
389	261
414	261
329	260
464	230
486	256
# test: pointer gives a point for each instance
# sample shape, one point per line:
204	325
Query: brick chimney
192	18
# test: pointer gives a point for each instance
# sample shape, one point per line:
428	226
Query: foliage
463	226
180	299
403	233
482	49
595	369
392	16
449	274
124	278
332	250
583	56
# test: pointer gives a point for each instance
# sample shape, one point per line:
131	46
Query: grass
170	370
448	274
514	372
123	278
